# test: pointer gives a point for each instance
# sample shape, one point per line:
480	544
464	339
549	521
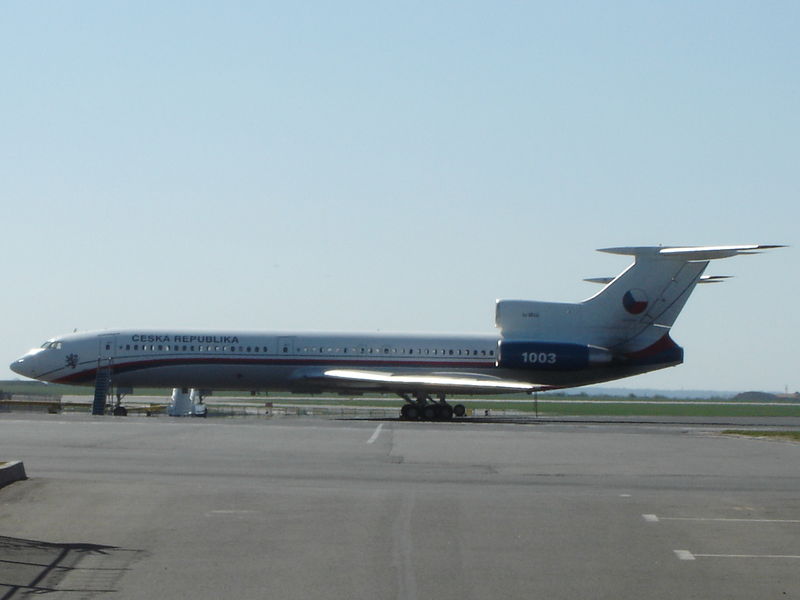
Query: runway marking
656	519
232	512
795	556
375	434
686	555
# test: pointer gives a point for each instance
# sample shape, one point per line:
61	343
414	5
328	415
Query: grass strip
793	436
653	409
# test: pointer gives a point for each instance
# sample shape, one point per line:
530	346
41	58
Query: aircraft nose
18	366
25	365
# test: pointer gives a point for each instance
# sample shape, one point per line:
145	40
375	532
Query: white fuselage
247	360
305	362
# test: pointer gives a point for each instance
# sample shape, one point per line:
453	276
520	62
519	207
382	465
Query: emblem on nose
72	360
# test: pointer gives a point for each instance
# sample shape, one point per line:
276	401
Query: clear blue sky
397	166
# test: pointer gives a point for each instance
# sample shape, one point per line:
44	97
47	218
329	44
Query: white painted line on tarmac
650	518
794	556
686	555
730	520
232	512
375	434
655	519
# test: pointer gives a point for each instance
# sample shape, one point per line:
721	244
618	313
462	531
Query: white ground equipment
186	403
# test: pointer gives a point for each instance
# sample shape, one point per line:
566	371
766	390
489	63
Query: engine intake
550	356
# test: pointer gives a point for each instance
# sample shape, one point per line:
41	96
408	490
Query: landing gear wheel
459	410
431	412
445	412
409	412
120	411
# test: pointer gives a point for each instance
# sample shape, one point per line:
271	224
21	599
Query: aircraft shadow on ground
29	567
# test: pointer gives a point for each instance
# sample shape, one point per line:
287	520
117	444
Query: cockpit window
51	345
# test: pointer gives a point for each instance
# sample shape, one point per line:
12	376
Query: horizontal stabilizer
691	252
714	278
703	279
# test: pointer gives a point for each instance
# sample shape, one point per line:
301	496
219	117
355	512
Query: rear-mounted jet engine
550	356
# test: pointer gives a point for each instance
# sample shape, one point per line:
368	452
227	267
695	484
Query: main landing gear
422	407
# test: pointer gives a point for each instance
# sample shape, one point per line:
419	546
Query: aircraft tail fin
633	311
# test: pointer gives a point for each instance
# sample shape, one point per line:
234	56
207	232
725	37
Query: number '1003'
539	358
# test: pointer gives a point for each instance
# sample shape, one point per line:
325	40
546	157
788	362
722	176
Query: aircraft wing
408	382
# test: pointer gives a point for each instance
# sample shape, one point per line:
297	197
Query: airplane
622	331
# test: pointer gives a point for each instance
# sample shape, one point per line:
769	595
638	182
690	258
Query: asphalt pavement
306	507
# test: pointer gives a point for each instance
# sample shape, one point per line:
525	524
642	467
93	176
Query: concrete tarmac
311	508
